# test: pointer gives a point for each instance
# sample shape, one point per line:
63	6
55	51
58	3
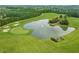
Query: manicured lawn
19	30
17	39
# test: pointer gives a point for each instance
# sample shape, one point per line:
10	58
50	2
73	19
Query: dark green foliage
54	20
64	27
60	16
9	15
15	13
55	40
58	21
64	22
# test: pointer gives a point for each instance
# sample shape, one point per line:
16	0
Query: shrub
54	20
64	22
60	16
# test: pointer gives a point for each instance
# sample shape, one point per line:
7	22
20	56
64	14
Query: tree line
14	13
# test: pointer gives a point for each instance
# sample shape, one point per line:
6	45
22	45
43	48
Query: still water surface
42	29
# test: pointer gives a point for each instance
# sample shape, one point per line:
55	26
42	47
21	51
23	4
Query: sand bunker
6	30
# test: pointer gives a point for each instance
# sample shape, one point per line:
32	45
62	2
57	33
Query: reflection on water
43	30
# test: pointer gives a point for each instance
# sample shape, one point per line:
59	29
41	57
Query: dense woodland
14	13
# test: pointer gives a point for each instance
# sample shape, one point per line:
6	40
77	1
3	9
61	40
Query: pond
42	29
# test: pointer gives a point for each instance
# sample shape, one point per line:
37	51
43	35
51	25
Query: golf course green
18	39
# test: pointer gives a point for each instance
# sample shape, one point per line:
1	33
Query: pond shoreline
42	29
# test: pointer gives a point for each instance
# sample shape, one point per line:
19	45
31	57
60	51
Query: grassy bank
22	42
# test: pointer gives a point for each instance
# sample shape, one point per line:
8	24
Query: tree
55	20
60	16
64	22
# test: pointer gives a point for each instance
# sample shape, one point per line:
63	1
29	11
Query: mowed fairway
20	40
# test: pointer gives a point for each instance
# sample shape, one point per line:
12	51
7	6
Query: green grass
21	42
19	30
